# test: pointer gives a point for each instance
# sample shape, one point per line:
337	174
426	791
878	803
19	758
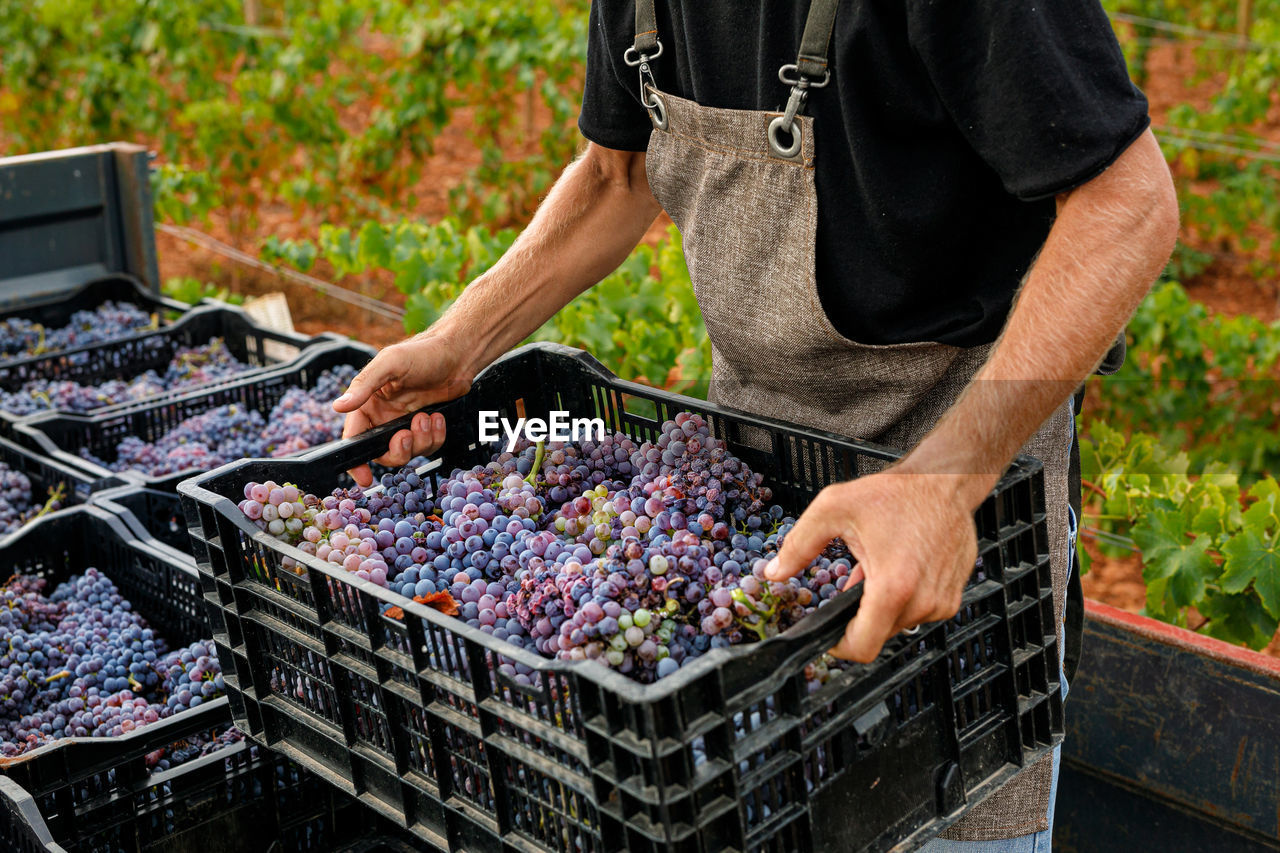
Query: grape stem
537	463
56	495
764	615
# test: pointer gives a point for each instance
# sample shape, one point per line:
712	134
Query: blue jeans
1036	842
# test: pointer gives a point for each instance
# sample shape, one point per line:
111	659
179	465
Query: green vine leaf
1251	559
1265	511
1238	619
1170	555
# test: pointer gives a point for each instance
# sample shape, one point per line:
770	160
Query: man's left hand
914	540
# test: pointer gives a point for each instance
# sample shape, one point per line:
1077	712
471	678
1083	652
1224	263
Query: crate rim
25	809
109	500
32	432
195	722
826	620
148	295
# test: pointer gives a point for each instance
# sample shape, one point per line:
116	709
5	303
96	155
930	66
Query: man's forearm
1111	239
591	220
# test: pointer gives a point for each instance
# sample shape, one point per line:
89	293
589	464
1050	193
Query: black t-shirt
946	131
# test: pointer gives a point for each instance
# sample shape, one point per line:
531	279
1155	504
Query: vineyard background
393	146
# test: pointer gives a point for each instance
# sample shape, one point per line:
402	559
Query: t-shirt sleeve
1039	88
612	114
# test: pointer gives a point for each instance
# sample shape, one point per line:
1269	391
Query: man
863	187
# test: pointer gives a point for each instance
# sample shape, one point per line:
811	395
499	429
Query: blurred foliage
642	321
335	103
192	290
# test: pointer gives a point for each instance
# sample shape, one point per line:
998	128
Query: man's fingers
424	436
856	576
356	423
428	433
435	434
878	615
363	475
377	373
811	533
399	451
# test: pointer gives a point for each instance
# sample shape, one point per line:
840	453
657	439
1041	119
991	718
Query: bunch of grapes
302	418
190	366
638	557
193	747
15	499
17	502
109	321
81	663
190	676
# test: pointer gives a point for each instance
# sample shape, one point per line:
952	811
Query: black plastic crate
62	436
161	584
149	512
46	474
414	718
242	799
54	310
126	358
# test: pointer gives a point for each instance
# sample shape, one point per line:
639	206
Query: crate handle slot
347	453
359	450
787	652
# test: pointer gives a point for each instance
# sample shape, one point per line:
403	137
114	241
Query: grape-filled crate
685	721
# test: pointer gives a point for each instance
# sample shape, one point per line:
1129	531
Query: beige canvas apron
741	190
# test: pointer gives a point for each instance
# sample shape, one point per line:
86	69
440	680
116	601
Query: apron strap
815	42
810	70
646	27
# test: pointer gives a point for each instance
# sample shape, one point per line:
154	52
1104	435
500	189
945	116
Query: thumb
805	541
377	373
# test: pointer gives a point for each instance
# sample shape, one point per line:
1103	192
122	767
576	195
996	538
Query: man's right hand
403	378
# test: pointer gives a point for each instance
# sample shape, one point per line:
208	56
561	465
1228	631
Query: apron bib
739	184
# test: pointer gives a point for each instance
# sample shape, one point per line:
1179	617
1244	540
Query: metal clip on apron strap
810	71
646	49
